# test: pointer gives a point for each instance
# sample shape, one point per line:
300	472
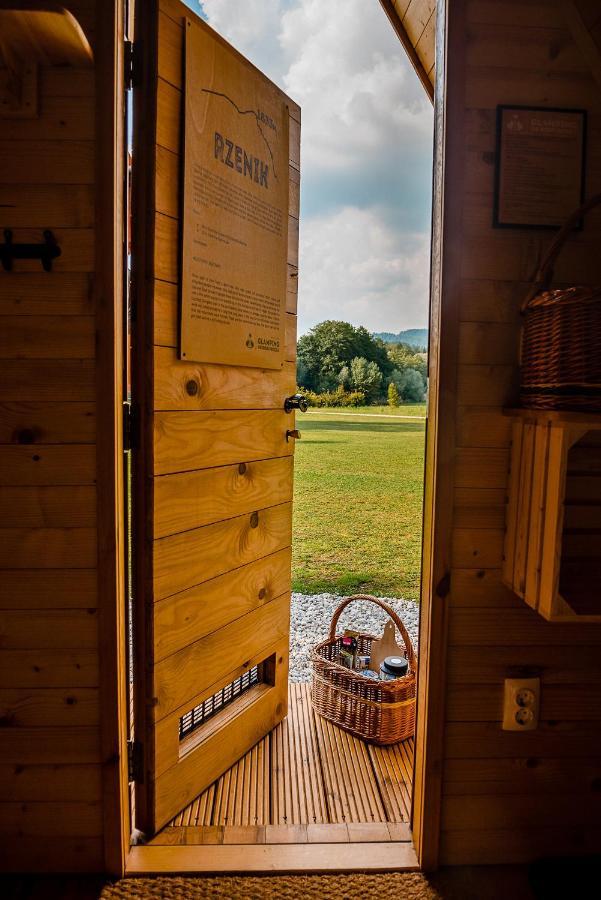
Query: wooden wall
507	797
51	813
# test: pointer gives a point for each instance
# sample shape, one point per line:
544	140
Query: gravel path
310	622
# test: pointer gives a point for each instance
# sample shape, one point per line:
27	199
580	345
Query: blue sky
366	153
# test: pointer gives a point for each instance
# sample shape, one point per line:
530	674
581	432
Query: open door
213	459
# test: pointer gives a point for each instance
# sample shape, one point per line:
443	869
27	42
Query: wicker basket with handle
561	337
382	712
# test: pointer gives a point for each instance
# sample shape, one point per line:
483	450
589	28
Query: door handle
293	434
296	401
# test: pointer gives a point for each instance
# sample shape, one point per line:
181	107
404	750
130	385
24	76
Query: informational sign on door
235	209
540	166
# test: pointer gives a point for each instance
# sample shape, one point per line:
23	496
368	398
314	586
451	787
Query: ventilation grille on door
212	705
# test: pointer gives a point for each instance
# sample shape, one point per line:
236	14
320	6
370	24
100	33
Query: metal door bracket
45	252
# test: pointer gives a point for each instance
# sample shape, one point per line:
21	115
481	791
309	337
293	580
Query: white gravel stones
311	615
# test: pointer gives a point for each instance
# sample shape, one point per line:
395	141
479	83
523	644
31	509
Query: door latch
296	401
45	252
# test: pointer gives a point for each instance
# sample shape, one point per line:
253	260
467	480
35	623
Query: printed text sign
235	209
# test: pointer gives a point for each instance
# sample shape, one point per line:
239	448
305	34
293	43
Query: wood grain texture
184	441
32	293
281	791
184	560
188	500
194	386
271	858
506	52
47	423
186	676
214	489
51	380
175	786
297	790
47	589
50	777
47	337
47	464
191	614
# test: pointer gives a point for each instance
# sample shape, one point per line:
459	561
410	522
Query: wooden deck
307	781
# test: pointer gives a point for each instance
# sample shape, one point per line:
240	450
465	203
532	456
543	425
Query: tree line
339	364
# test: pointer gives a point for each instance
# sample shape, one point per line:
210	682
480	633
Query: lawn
358	502
408	410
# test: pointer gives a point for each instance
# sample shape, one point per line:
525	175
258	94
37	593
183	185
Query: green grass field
358	501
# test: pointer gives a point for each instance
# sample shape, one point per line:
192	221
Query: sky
366	153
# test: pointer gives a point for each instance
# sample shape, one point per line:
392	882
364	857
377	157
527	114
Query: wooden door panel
195	386
169	747
184	560
185	678
214	483
177	784
191	615
184	441
187	500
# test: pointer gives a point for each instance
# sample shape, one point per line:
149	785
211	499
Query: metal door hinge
130	426
135	761
130	59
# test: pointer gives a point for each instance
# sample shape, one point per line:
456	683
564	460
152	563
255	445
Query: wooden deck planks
352	792
242	793
307	781
393	767
297	795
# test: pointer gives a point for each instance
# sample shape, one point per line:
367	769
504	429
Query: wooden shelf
552	554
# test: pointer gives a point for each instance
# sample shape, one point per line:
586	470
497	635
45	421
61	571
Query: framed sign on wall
540	166
235	210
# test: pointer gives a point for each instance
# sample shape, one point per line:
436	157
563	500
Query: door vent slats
200	714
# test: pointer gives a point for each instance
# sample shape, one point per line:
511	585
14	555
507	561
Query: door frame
111	540
439	464
120	857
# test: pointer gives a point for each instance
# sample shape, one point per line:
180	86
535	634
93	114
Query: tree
402	356
344	378
366	376
393	394
410	384
332	345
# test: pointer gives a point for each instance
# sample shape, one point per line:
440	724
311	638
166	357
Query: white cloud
365	153
253	27
352	79
352	268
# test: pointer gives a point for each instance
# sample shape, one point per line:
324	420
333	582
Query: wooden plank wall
418	18
215	501
50	772
508	797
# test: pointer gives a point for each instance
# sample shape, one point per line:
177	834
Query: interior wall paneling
507	797
61	589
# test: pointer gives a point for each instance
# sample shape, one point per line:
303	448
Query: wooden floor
307	781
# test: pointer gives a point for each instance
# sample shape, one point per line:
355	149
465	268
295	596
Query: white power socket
521	704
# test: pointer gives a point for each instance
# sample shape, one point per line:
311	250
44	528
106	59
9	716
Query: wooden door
213	464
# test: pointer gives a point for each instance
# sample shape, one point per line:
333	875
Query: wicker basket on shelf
561	337
382	712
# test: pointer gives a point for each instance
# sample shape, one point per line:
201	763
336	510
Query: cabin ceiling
414	22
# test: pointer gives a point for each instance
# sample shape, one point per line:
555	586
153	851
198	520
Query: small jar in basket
381	712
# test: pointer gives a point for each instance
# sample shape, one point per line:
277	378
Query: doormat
397	885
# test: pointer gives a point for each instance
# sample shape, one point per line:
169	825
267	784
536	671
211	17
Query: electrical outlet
520	707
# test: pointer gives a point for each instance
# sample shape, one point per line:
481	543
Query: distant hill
415	337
